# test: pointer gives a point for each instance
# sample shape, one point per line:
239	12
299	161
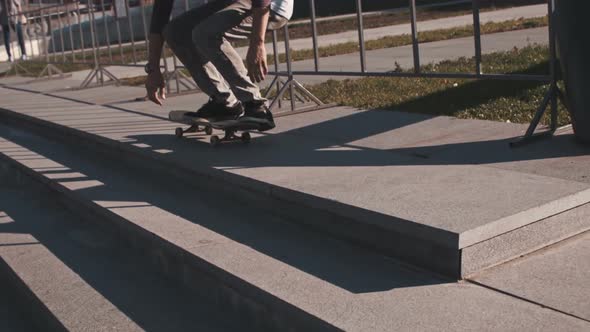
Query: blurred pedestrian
11	17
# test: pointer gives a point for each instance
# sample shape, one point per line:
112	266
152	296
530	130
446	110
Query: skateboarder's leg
178	35
209	36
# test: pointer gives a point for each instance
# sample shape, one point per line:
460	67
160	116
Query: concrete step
65	274
557	276
12	317
276	274
176	230
416	187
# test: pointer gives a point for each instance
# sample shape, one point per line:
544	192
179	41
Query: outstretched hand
256	62
155	87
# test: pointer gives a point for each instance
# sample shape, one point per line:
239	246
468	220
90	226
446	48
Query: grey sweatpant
200	39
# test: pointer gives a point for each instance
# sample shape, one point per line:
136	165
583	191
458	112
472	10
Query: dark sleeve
160	15
260	3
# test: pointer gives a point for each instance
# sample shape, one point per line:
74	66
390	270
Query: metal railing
549	101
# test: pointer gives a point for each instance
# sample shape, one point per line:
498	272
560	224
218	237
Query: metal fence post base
298	91
530	136
99	73
50	71
181	79
16	67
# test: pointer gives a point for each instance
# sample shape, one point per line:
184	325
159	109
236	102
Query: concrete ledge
525	240
330	217
418	243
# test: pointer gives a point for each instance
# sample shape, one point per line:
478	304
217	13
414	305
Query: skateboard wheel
179	132
246	137
208	130
215	140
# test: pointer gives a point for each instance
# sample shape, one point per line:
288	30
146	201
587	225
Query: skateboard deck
229	127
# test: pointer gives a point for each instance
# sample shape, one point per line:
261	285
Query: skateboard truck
195	128
230	135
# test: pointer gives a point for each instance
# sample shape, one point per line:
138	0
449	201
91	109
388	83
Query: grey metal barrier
94	33
31	26
549	100
66	33
119	38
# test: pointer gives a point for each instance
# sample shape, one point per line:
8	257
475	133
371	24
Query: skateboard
229	127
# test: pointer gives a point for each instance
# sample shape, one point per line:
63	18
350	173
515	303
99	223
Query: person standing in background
10	17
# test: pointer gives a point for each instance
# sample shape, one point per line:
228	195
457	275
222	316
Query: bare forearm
156	42
259	24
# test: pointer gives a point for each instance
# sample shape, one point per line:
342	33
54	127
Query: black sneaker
257	112
214	111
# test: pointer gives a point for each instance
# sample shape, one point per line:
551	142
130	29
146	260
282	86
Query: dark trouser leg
178	35
209	37
21	40
6	31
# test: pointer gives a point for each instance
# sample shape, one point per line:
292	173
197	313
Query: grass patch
423	37
513	101
134	81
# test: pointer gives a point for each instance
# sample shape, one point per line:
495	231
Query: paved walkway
452	175
349	288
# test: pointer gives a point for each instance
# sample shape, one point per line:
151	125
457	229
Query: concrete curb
421	245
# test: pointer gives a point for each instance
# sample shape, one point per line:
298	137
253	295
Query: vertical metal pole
552	64
276	58
314	34
39	45
49	25
69	22
361	30
33	36
175	59
106	31
174	70
32	53
166	71
415	45
44	33
94	35
119	39
94	42
289	69
145	29
81	31
131	31
61	35
477	36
